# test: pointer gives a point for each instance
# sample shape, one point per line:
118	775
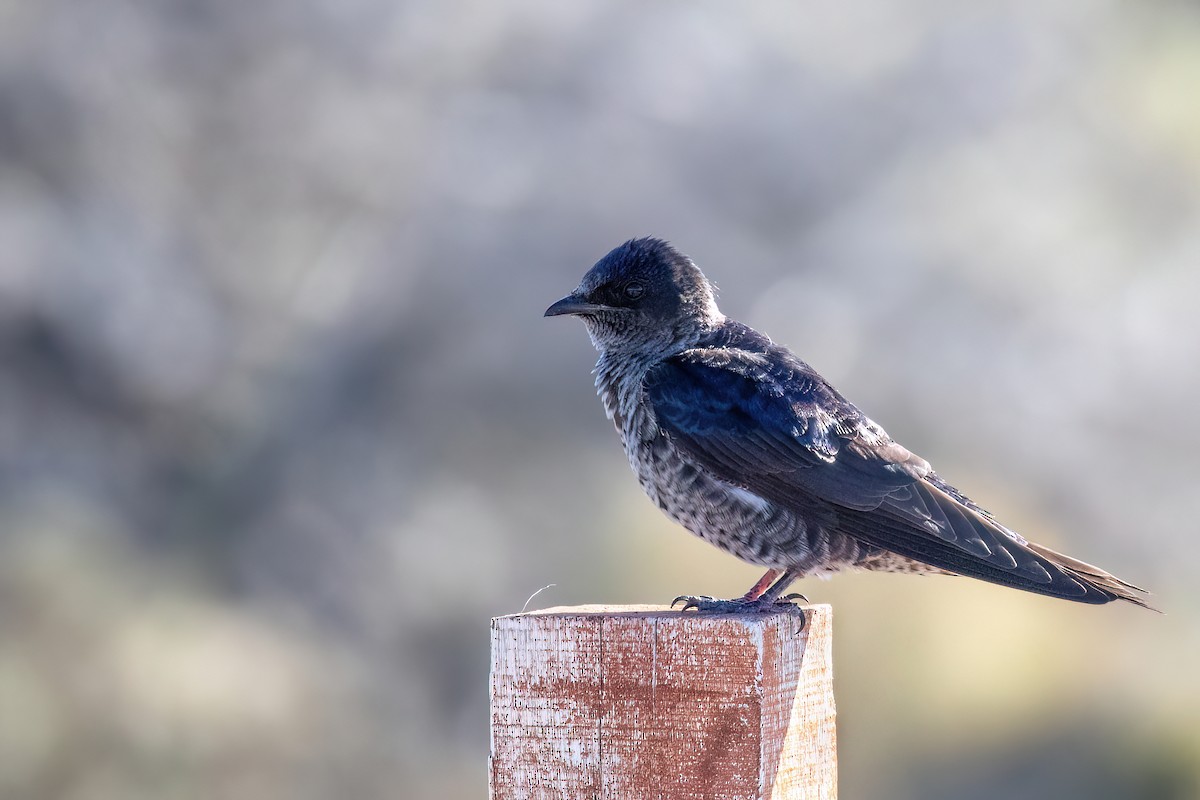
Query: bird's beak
572	304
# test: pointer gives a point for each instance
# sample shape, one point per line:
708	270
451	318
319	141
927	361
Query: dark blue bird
746	446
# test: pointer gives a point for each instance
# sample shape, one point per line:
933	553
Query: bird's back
753	415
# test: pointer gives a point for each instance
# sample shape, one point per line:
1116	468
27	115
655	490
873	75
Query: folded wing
765	421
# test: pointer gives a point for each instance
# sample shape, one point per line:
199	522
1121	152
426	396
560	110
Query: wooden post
646	703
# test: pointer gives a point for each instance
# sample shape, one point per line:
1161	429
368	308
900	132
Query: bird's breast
730	517
734	519
619	385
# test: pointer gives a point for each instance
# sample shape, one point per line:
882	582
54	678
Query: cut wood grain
646	703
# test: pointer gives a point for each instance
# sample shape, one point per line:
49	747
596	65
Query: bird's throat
619	386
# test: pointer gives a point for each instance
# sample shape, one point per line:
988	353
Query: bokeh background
282	426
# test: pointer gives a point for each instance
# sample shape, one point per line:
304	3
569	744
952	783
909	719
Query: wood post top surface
652	610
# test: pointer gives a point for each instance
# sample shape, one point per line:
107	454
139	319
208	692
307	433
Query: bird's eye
634	290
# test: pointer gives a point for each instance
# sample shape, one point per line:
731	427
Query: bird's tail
932	522
1094	576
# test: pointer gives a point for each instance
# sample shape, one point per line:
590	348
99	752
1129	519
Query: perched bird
746	446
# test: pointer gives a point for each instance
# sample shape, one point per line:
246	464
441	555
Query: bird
745	445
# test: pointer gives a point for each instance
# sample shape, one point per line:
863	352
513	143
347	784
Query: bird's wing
770	424
748	419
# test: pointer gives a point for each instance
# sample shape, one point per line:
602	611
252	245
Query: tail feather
1104	581
932	522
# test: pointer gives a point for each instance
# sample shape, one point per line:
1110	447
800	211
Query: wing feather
763	420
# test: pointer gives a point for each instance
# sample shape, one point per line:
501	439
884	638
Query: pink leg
764	583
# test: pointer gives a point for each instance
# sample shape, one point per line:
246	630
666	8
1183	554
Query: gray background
281	425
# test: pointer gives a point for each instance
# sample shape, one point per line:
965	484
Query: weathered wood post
646	703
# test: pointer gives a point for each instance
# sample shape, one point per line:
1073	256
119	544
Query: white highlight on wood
646	703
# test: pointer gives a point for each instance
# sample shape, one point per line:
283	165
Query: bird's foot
704	604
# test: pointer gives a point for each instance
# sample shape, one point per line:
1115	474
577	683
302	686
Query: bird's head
644	296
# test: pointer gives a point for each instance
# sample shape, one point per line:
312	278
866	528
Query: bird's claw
703	604
693	601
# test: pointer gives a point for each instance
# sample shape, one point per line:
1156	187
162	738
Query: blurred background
282	425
